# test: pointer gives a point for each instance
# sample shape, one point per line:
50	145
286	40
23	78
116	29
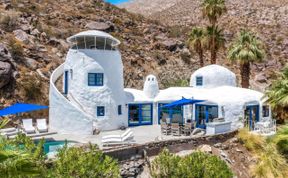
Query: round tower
93	78
151	88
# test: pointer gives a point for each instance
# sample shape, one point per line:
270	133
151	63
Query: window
265	111
95	79
100	111
199	81
119	110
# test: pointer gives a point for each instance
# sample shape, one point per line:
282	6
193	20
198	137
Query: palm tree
246	49
278	95
213	9
195	41
214	41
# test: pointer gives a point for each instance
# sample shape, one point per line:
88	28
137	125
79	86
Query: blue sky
116	1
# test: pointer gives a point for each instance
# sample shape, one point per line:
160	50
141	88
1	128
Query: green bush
165	165
85	163
195	165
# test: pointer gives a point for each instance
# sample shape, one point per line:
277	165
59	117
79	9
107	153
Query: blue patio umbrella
182	102
21	107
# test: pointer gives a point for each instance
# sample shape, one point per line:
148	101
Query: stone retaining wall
153	148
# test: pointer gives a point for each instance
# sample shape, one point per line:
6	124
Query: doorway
251	116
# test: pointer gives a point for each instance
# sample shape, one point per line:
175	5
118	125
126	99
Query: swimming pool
115	2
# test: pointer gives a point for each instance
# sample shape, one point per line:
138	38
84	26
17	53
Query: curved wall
64	117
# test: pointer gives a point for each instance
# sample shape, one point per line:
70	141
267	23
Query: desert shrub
15	48
175	83
31	85
165	165
195	165
81	162
175	32
270	163
9	22
281	140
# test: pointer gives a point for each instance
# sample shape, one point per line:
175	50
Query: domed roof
94	33
212	76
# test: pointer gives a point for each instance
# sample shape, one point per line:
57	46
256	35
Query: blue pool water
52	146
116	1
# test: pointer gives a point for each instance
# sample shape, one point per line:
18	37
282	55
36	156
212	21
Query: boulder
4	53
261	78
99	26
21	36
205	148
169	44
5	73
31	63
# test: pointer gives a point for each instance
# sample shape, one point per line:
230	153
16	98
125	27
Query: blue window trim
170	112
119	109
96	75
66	82
203	126
140	115
98	111
199	80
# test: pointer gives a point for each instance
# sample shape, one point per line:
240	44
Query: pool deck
142	135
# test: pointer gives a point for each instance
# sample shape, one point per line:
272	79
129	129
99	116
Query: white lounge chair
9	132
28	126
119	141
117	136
42	125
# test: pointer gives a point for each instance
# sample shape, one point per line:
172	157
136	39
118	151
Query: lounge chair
119	141
42	125
117	136
9	132
28	126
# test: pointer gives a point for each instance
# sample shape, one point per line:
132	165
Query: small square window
199	81
100	111
95	79
119	110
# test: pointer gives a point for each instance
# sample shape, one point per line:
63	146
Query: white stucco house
94	97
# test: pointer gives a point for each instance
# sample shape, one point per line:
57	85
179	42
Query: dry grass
270	163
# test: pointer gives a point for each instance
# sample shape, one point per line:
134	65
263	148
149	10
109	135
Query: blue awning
21	107
182	102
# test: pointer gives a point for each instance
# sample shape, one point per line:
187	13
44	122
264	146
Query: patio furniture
9	132
187	129
117	136
28	126
175	129
165	128
128	139
42	125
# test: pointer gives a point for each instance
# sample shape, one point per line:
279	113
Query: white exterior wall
64	117
110	95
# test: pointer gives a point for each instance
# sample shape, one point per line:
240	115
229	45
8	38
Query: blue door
66	82
251	116
205	114
140	114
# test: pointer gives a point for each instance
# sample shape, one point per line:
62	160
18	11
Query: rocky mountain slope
32	45
269	18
